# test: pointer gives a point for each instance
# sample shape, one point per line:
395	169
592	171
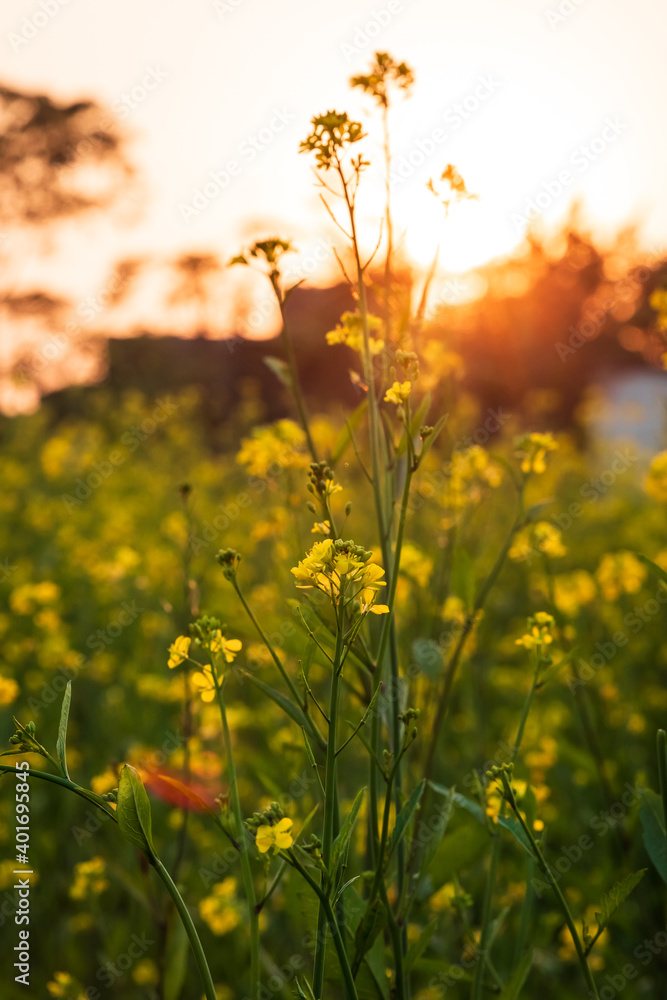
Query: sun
468	236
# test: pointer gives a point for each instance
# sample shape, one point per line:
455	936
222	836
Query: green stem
312	728
330	797
450	673
478	977
246	874
293	370
190	929
184	914
662	770
539	857
333	926
84	793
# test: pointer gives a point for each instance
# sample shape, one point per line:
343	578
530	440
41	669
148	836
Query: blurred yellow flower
9	690
656	480
350	332
178	651
219	910
398	393
620	573
273	448
89	878
278	836
539	631
532	449
539	537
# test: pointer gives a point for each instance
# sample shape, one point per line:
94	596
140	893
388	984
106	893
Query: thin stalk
183	912
339	944
293	370
313	730
84	793
478	976
662	771
450	673
190	929
246	874
330	799
539	857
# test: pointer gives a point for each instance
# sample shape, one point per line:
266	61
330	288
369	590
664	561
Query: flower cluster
89	879
539	537
398	393
532	449
272	448
343	571
656	480
272	830
539	634
620	573
350	332
208	635
331	133
220	910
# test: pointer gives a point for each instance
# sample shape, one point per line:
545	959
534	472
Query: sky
538	103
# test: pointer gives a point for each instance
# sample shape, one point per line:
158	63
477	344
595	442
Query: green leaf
418	947
655	841
369	927
304	992
403	819
655	569
517	832
374	960
474	808
347	884
462	581
294	712
178	950
340	844
134	810
416	421
61	748
618	893
515	983
280	369
345	437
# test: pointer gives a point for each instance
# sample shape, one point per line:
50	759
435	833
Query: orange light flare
178	789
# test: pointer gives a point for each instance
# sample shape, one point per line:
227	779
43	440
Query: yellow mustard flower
204	683
178	651
278	836
219	910
620	573
274	447
89	879
227	648
350	332
539	631
398	393
656	480
9	690
341	570
540	537
533	449
64	985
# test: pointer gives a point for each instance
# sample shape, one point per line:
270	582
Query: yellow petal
379	609
264	838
